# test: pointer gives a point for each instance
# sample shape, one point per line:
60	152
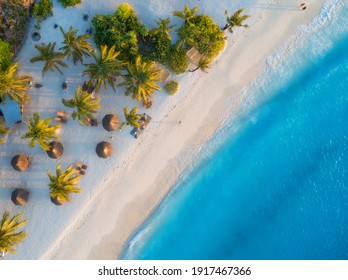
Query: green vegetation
14	22
68	3
62	184
132	117
41	131
42	10
75	46
5	55
51	58
201	32
158	46
105	69
171	87
163	29
3	131
187	14
86	106
122	30
235	20
9	238
177	60
141	79
12	86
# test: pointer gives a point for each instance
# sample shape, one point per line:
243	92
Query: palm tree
41	131
51	58
163	29
63	184
203	64
75	46
187	14
132	118
9	238
106	67
235	20
3	131
141	79
86	106
12	86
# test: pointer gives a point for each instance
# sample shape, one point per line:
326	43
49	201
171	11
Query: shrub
43	9
177	60
171	87
203	34
122	29
5	54
68	3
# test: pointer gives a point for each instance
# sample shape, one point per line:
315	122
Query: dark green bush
171	87
5	54
68	3
42	10
159	47
203	34
177	60
122	29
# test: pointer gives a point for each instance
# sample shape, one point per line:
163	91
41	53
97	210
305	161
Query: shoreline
108	246
122	191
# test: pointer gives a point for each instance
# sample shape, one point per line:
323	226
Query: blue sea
277	188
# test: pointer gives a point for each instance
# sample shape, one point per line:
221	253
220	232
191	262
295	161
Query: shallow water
278	189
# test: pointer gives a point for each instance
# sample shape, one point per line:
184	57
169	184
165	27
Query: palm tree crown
62	184
141	79
12	86
75	46
203	64
132	117
163	29
187	14
41	131
51	58
106	67
86	106
236	20
3	131
9	238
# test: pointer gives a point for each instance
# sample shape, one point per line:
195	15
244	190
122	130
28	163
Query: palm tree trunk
225	27
194	70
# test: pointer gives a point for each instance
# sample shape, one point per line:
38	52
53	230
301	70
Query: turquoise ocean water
278	187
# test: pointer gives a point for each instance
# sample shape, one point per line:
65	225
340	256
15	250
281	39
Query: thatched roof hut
20	162
110	122
104	149
56	150
20	196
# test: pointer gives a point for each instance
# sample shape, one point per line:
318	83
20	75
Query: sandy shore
121	192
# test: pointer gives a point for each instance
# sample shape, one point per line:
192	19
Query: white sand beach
120	192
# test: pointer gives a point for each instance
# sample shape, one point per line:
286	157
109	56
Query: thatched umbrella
20	162
20	196
104	149
56	150
110	122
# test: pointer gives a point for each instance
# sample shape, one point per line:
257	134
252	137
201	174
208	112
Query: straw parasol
20	162
104	149
110	122
56	150
20	196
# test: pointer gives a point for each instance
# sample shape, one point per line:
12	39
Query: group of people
303	6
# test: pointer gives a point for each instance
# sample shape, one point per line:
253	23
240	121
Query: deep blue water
278	189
